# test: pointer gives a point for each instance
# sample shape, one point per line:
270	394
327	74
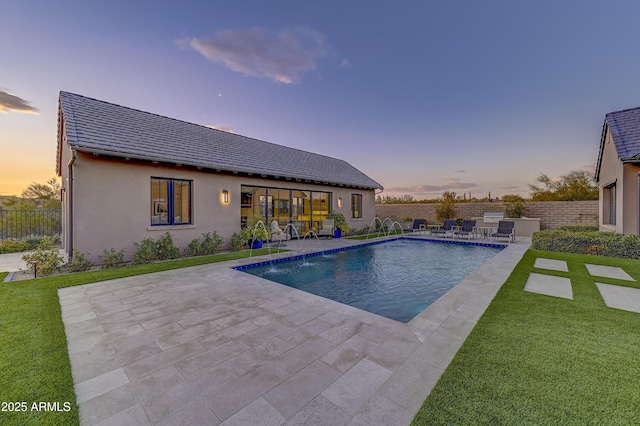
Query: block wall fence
552	214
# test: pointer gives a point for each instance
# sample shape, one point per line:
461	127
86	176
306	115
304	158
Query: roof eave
221	169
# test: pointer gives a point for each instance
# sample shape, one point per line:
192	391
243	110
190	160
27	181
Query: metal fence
20	224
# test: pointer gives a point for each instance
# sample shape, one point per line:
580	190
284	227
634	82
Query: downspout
72	160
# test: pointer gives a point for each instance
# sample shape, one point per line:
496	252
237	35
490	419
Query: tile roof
96	126
625	132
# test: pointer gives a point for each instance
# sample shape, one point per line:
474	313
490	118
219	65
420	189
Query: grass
34	363
376	235
536	359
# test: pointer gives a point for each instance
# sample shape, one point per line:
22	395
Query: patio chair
277	234
419	225
468	229
447	228
328	228
505	230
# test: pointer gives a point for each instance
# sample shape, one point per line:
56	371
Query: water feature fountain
393	227
373	223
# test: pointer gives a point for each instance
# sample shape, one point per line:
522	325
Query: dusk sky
422	96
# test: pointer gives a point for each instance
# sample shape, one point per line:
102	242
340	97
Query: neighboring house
618	172
128	175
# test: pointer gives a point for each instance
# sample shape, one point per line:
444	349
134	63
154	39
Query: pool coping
397	367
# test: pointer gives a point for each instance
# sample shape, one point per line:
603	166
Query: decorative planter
337	233
257	244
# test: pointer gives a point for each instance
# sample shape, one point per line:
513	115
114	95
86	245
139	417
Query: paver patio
212	345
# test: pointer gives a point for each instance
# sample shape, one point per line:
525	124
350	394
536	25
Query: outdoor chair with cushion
277	234
447	228
328	228
468	229
505	230
419	225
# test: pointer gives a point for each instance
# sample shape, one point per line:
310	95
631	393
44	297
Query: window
170	201
356	206
609	204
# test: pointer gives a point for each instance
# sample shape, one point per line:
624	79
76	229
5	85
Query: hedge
602	243
578	228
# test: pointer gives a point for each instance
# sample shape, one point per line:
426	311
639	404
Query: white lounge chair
328	228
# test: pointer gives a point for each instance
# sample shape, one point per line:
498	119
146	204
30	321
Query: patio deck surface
212	345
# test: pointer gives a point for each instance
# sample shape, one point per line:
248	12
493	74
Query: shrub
405	219
146	251
149	250
515	208
604	243
211	243
238	241
193	248
44	260
111	258
78	262
166	249
446	208
10	246
579	228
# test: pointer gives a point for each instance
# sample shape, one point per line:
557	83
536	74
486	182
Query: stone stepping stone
619	297
549	285
608	272
554	265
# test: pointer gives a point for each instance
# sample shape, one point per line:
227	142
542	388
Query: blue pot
337	233
257	244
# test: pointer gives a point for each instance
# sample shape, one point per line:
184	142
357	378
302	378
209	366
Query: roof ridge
623	110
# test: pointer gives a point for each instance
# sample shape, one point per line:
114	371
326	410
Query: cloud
280	56
452	184
509	187
460	171
10	102
345	63
220	127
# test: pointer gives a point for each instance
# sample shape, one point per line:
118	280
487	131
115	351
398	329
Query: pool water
396	279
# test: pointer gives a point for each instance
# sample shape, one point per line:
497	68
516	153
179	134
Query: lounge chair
468	229
277	234
447	228
419	225
328	228
505	230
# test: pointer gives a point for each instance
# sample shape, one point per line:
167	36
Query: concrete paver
212	345
608	272
552	264
620	297
549	285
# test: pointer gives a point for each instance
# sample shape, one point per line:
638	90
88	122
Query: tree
49	193
578	185
446	208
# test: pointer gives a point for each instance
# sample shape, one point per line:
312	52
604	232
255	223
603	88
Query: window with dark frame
609	204
356	206
170	201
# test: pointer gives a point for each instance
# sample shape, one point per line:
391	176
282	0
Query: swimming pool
397	279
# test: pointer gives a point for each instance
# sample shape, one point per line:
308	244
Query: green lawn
376	235
34	363
541	360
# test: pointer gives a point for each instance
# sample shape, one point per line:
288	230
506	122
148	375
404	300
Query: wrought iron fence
20	224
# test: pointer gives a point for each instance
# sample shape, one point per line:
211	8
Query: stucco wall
611	171
552	214
111	202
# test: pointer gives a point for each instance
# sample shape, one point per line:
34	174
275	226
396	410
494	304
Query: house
618	172
129	174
